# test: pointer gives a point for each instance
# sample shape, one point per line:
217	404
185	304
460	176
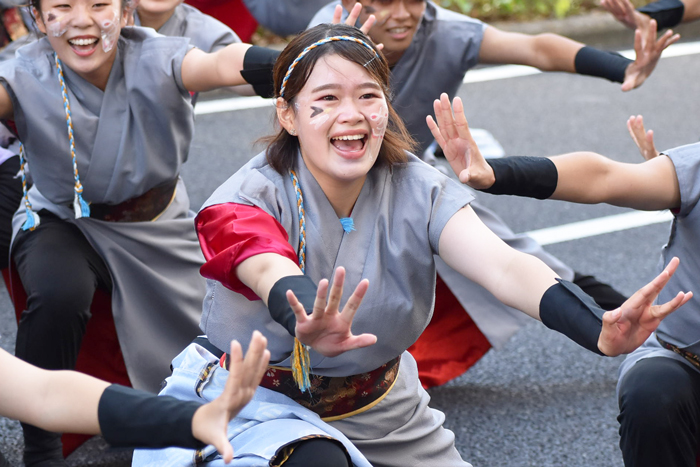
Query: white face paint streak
320	119
56	25
381	119
109	32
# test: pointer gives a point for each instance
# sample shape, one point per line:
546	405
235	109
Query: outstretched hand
211	420
351	20
643	140
326	329
452	134
627	327
648	51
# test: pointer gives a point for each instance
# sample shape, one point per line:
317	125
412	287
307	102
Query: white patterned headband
316	44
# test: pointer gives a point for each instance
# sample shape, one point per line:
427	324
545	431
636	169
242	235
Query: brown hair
282	148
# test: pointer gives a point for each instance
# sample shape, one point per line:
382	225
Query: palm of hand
629	326
327	335
326	329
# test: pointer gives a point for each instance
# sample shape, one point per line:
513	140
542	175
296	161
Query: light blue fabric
270	421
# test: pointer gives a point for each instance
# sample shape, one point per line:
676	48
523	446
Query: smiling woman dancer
336	188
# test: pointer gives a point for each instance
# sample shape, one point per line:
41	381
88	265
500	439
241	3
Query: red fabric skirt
450	344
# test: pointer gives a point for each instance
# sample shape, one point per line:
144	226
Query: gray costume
393	246
130	138
284	17
682	327
205	32
444	47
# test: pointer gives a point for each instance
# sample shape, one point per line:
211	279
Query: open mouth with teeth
349	142
83	45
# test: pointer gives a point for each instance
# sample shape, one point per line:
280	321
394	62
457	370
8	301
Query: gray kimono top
284	17
444	47
130	138
205	32
398	217
682	327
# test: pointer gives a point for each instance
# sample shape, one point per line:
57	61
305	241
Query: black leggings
660	414
318	452
10	198
60	272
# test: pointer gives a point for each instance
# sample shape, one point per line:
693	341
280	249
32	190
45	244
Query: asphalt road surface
540	400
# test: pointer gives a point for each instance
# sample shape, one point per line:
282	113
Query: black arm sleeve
667	13
532	177
280	309
602	64
257	69
132	418
567	309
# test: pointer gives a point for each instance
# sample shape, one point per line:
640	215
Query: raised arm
551	52
581	177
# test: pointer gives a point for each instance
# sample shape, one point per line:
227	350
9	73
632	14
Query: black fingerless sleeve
667	13
602	64
132	418
257	69
567	309
532	177
280	309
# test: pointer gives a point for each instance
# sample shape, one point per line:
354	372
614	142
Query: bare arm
48	398
547	52
551	52
203	71
692	10
516	279
261	272
586	177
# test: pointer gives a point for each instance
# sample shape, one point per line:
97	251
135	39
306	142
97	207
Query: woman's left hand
627	327
452	134
648	52
326	329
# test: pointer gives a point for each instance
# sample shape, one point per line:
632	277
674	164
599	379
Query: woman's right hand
643	139
327	330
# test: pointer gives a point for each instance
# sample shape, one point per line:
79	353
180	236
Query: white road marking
598	226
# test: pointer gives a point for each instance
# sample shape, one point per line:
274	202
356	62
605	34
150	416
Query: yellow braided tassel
301	365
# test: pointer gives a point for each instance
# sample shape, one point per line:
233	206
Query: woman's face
84	34
340	117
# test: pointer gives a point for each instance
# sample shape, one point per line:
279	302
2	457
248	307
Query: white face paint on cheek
56	24
379	121
109	31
